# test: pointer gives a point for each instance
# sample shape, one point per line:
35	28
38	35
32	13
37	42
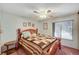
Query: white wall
8	28
71	43
21	20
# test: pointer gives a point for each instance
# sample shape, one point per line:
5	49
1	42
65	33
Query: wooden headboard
31	30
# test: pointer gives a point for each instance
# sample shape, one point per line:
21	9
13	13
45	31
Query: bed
38	44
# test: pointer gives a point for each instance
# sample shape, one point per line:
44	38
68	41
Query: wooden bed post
59	42
36	31
18	34
18	38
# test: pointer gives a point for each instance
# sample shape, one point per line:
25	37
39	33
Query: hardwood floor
67	51
64	51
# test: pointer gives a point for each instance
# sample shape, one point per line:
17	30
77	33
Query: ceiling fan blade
48	11
36	12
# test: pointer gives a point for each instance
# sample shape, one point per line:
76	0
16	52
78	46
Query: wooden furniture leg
7	49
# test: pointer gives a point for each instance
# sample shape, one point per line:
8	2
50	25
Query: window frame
53	28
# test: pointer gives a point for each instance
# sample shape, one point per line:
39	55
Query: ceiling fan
44	13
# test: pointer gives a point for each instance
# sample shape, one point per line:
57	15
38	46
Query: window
63	29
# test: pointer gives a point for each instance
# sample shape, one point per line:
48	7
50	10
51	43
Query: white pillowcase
26	34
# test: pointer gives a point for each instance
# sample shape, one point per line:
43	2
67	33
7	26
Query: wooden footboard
54	48
51	50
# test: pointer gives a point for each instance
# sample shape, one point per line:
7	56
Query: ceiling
26	9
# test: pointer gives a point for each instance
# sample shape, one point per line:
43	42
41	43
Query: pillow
26	34
33	35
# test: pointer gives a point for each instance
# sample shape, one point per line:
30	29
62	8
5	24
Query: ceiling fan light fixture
43	16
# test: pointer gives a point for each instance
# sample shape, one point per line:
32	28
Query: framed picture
24	24
45	25
29	23
33	25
